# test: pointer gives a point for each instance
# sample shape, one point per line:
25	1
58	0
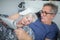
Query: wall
9	6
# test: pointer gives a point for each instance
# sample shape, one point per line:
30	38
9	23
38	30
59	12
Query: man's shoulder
54	26
36	22
54	23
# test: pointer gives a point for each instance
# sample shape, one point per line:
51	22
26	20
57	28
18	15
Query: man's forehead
48	9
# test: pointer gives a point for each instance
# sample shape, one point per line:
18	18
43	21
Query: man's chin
42	20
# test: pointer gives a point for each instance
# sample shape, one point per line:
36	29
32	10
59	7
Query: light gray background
10	7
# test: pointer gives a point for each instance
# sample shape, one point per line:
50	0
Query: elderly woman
23	30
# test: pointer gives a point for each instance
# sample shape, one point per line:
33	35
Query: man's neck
47	22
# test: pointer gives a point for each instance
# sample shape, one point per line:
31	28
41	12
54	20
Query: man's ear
53	15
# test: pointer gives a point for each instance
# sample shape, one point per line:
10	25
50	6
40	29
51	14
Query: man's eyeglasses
45	12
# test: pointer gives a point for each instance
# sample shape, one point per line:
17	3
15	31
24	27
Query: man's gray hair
53	6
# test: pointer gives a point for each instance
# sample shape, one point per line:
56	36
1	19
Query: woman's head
27	19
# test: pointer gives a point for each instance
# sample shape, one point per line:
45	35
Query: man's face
26	20
46	14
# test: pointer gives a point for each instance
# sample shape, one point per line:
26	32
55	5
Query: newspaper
9	22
